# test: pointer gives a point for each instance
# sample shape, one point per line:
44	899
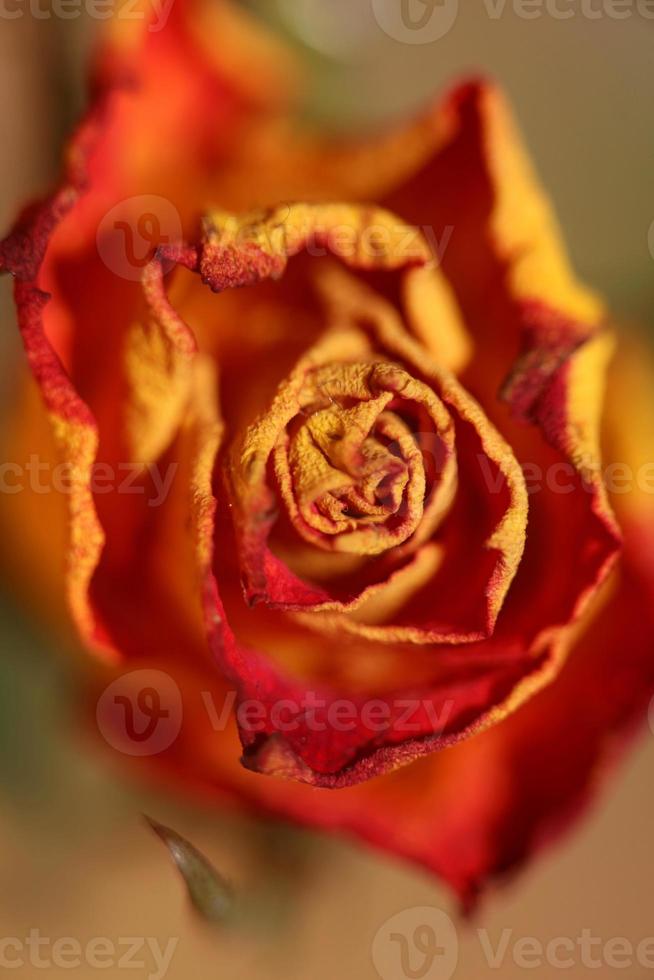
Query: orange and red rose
352	539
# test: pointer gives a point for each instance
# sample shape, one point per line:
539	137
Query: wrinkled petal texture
347	399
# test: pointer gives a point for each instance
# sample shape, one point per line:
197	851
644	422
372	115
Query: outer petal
108	369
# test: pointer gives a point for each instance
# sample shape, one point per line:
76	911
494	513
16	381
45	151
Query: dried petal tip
210	893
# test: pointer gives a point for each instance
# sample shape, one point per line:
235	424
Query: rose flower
374	402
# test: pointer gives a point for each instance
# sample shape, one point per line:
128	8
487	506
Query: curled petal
158	356
76	439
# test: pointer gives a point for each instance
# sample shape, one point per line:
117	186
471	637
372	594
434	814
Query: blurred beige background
75	860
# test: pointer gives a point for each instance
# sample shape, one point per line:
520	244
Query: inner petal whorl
355	471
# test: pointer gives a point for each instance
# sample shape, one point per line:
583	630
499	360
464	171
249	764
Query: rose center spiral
367	460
